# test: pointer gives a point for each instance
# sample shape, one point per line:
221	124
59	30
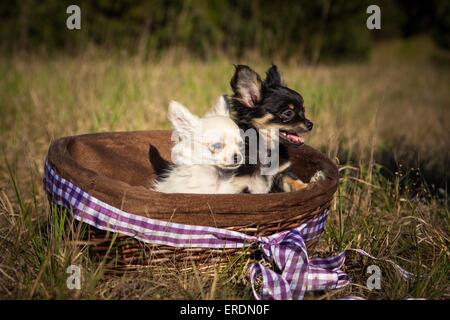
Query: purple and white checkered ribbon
287	250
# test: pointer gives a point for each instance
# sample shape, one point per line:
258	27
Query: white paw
318	176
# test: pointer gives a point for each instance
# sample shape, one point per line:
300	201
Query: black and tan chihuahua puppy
269	104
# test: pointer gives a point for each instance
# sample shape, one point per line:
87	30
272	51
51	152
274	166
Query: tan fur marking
263	121
290	184
303	126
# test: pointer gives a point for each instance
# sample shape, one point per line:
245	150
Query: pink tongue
295	138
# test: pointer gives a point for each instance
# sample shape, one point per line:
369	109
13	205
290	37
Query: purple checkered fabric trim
287	250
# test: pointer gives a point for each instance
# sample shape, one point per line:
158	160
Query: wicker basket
124	253
99	165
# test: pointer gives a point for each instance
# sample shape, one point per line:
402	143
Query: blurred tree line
310	30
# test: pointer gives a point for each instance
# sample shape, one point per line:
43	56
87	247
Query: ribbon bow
296	272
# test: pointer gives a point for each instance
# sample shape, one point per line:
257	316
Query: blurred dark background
312	31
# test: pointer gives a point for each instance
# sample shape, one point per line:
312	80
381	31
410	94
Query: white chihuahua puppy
206	152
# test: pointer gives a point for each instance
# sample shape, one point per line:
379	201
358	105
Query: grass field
385	122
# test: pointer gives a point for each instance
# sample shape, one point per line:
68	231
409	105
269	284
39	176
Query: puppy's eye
287	115
217	146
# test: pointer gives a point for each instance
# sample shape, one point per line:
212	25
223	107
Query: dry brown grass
395	106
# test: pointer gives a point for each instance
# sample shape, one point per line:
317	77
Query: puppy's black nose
309	125
237	158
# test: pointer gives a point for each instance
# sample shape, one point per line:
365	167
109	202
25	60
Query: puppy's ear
273	77
182	119
246	85
220	108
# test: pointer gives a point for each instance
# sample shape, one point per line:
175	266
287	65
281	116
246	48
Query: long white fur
189	174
